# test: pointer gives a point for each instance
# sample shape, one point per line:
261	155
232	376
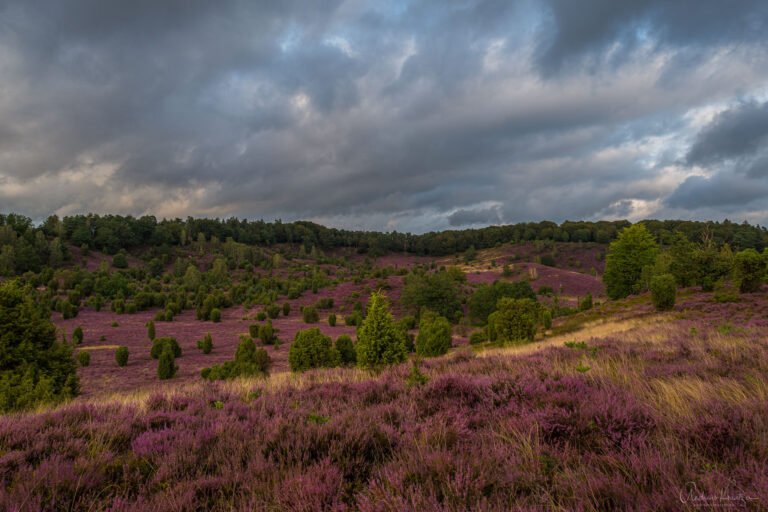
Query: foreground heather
671	420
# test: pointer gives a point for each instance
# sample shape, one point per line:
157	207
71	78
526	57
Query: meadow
663	412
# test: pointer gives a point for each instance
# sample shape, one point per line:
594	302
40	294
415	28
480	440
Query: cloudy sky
406	115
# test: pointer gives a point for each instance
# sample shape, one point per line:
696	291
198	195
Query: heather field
636	410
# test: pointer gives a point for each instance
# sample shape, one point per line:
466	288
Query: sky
386	115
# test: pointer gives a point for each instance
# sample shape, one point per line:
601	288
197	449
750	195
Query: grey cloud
483	216
605	31
734	133
416	115
721	190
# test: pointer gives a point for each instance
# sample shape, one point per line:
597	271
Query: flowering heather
668	416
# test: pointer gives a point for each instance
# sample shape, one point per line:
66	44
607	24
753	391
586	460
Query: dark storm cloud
734	133
721	190
607	30
406	115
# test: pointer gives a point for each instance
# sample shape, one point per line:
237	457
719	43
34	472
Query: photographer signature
691	495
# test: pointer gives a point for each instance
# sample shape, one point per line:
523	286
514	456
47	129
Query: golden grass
100	347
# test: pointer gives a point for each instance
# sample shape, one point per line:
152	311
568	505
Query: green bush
286	309
159	344
151	330
379	340
725	291
434	338
215	315
346	350
585	303
249	361
166	364
206	344
324	303
332	320
408	322
546	319
273	311
84	358
514	321
253	330
34	367
477	337
119	260
749	270
312	349
310	315
663	291
121	356
261	316
77	335
267	334
354	320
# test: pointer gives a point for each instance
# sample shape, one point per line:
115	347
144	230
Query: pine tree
379	341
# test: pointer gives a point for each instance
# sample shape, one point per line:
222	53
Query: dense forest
25	246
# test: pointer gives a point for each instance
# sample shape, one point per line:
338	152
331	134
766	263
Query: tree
440	292
34	367
514	321
749	270
121	356
434	338
483	302
77	335
160	344
663	291
312	349
379	341
633	250
166	364
346	350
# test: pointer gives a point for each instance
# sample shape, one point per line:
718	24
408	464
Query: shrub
159	344
267	334
310	315
286	309
440	291
749	270
151	330
249	361
121	356
546	319
353	320
166	364
261	316
663	291
346	350
585	303
215	315
379	341
206	344
84	358
273	311
324	303
77	335
332	320
34	367
119	260
725	291
515	320
253	330
312	349
168	315
408	322
416	377
477	338
434	338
